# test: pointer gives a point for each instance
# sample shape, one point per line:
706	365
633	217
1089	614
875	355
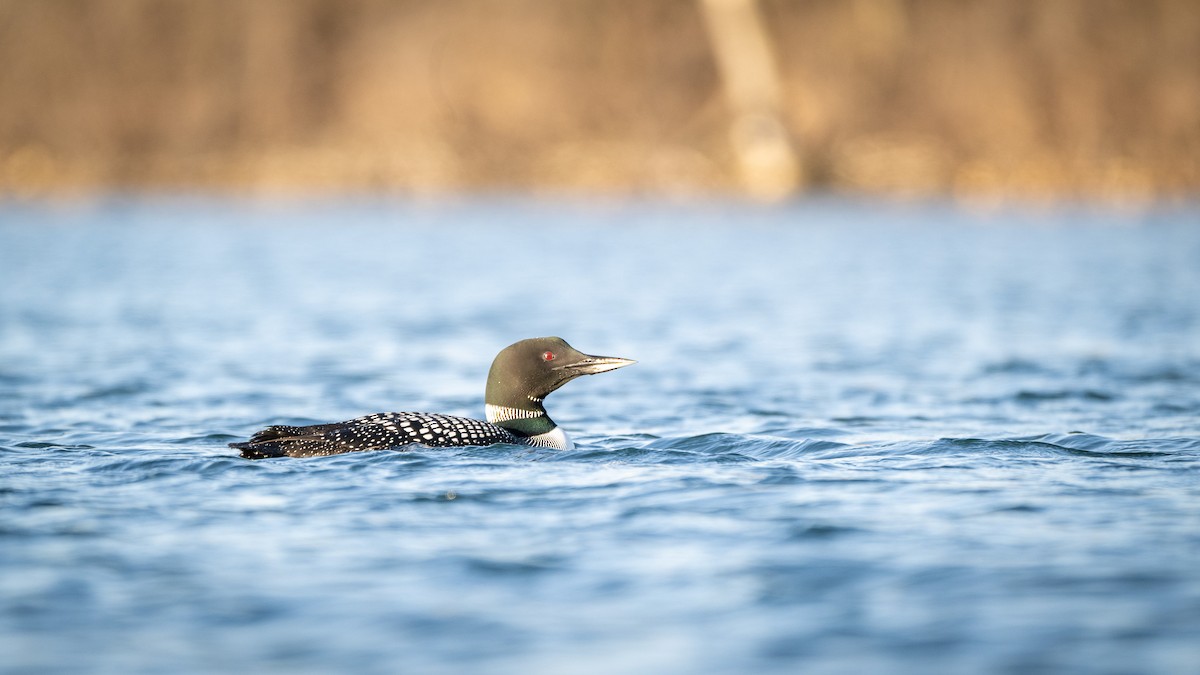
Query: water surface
858	439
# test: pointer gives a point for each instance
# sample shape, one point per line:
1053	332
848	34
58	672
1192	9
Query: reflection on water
859	438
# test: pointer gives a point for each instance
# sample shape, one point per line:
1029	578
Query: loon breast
555	438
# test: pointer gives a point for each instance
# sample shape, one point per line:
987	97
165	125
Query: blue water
859	439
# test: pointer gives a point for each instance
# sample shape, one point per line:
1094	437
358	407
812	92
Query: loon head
525	372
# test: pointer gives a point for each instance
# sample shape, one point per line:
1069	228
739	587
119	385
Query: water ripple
900	439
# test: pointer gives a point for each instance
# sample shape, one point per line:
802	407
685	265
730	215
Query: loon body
522	375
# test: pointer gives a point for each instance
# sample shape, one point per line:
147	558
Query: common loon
520	378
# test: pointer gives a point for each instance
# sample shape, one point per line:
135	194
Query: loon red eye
547	356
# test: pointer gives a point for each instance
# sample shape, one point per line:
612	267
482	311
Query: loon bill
520	378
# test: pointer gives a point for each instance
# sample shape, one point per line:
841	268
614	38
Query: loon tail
274	441
260	450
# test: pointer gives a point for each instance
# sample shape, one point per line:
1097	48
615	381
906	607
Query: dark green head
525	372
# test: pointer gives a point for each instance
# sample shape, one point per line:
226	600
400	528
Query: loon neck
527	419
531	423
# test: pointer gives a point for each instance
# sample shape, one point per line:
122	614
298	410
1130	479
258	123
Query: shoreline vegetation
988	99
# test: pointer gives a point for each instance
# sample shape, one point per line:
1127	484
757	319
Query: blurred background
983	98
873	428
